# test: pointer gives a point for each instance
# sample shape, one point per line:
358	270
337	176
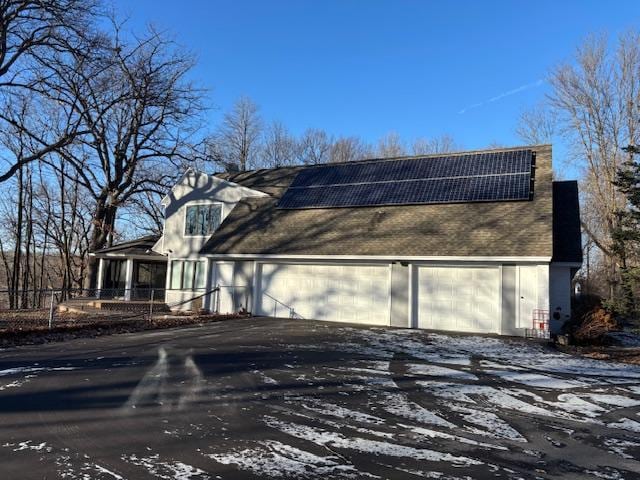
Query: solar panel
489	163
489	176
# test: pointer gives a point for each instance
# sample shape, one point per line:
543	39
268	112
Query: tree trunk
17	251
102	236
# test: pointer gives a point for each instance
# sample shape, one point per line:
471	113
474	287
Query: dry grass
24	329
613	354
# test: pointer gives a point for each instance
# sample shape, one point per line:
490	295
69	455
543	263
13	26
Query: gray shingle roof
138	246
256	226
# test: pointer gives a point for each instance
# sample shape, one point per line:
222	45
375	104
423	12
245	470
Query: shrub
591	321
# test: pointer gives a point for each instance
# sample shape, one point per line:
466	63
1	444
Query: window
176	274
187	274
202	219
198	276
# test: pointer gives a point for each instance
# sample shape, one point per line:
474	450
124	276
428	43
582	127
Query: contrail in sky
508	93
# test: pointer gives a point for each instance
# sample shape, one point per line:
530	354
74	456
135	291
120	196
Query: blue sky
418	68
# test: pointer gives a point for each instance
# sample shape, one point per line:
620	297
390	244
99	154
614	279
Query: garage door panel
459	298
346	293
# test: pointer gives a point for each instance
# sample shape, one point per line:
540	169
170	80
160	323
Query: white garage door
462	299
342	293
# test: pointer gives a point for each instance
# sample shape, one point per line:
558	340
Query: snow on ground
438	371
265	378
537	379
533	357
336	440
28	445
333	410
429	433
378	403
399	405
25	374
167	470
490	424
620	446
422	398
626	424
275	459
21	370
68	465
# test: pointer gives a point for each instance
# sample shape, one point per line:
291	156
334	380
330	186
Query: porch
131	272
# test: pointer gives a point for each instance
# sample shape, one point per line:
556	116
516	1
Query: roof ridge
458	153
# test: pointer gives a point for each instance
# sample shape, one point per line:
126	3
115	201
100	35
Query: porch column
128	279
100	275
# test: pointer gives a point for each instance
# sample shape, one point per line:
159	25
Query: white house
481	241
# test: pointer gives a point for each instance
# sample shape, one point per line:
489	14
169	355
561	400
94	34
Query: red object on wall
539	324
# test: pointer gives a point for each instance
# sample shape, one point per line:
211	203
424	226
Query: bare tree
348	149
30	32
391	145
18	211
596	99
278	147
537	125
64	211
37	26
139	110
112	118
237	142
441	144
314	147
144	214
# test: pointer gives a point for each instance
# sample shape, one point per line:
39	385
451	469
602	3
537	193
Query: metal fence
278	308
113	304
29	299
231	299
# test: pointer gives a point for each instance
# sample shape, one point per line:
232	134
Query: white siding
343	293
464	299
196	189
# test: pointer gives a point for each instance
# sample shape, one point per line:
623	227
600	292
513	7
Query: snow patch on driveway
28	445
533	357
275	459
620	446
338	411
171	470
336	440
614	400
21	370
438	371
492	425
429	433
538	380
626	424
348	403
398	404
26	374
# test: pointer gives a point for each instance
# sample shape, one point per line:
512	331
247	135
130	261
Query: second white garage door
342	293
464	299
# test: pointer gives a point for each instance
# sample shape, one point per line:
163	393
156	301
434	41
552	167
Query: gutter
385	258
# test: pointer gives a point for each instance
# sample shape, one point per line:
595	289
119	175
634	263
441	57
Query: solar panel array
483	177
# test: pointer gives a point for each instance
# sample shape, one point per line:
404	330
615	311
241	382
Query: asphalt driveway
259	398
